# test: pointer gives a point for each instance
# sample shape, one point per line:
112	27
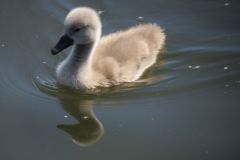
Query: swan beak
64	42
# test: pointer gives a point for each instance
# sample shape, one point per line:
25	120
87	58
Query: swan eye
77	29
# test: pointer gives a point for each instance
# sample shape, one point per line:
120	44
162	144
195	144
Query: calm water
189	109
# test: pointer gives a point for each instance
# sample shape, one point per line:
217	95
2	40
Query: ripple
20	86
48	86
46	83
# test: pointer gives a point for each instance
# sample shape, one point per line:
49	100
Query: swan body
110	60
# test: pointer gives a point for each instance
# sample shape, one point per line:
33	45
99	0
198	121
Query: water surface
189	108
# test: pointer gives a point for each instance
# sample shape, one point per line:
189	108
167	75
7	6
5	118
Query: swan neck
81	52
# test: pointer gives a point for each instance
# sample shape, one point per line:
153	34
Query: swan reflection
89	129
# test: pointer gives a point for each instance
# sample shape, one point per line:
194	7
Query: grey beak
64	42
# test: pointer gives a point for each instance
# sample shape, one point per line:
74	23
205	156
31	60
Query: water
189	109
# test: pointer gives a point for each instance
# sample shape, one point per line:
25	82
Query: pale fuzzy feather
125	55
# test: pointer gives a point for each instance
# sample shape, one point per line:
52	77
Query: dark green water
190	110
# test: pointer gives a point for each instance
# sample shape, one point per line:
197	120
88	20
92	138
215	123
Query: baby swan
102	62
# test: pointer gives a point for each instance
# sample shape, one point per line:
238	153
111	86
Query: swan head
82	26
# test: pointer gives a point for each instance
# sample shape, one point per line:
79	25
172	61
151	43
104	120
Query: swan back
125	55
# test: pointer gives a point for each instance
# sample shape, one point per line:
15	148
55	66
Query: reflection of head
85	133
89	129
